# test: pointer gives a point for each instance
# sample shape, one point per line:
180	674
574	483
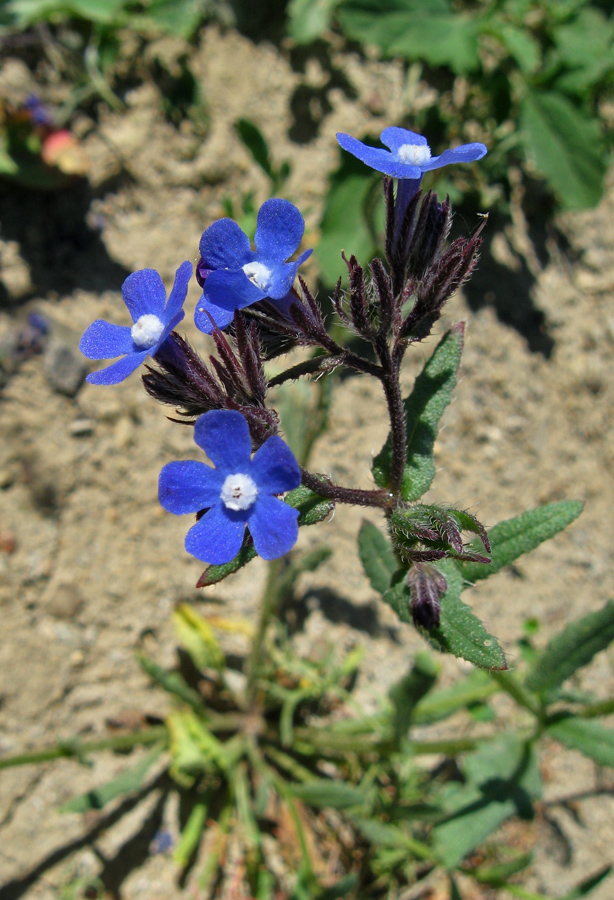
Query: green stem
270	604
515	689
593	710
79	749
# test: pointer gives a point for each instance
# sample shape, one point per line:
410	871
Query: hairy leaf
590	738
328	793
512	538
377	556
572	648
424	408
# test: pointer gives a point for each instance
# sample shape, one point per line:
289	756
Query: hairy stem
378	499
398	431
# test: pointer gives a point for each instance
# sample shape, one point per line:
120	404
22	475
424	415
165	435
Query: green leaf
129	781
438	705
382	834
345	222
377	556
585	46
427	30
309	19
408	692
253	139
177	17
460	632
590	738
191	835
512	538
567	146
323	793
502	778
424	408
573	648
312	509
589	884
500	872
30	12
171	682
196	636
521	44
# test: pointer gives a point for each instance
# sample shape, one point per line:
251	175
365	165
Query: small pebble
81	428
65	600
7	479
65	368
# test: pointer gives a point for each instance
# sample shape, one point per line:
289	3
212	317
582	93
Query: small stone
81	428
7	479
65	368
65	600
77	659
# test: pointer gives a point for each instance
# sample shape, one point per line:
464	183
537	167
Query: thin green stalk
515	689
593	710
268	609
81	749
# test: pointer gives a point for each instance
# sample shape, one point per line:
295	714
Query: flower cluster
251	295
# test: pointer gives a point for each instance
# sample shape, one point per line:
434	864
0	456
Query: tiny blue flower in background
239	491
408	155
154	318
235	276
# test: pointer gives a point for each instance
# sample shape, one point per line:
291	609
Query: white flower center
258	274
147	331
414	154
239	492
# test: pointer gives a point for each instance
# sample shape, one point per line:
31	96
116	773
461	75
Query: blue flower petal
224	246
104	340
188	486
273	526
231	290
282	280
464	153
119	370
394	138
224	436
179	291
380	160
279	230
274	468
144	294
217	537
204	308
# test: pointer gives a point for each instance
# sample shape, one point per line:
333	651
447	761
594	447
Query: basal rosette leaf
424	408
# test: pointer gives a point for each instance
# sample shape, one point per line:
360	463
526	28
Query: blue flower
236	275
154	318
239	491
408	155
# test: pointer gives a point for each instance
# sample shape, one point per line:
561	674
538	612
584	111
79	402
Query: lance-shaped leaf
312	509
191	835
324	793
127	782
377	556
590	738
572	648
423	410
512	538
460	632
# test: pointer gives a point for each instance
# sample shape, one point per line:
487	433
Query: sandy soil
96	565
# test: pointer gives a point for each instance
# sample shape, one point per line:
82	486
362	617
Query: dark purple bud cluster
426	586
234	380
422	533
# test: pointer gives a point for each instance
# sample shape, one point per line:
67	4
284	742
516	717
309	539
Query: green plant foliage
309	19
590	738
129	781
191	835
566	145
407	693
424	408
377	557
502	778
196	636
514	537
571	649
329	793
